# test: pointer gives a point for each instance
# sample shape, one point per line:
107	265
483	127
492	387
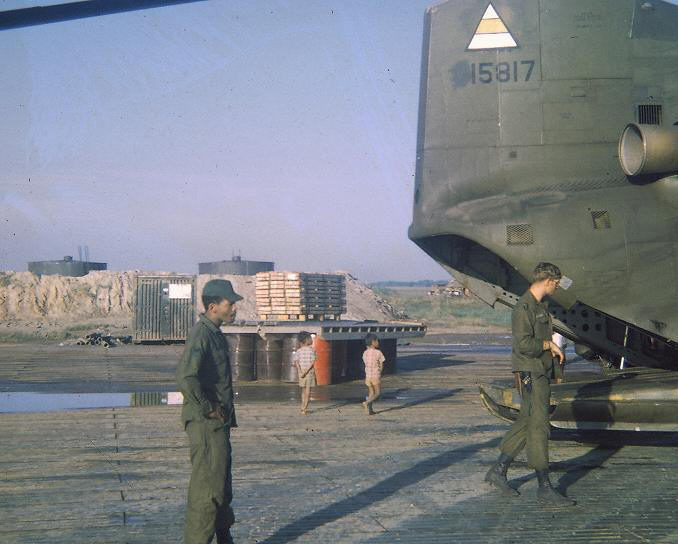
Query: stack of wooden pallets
298	296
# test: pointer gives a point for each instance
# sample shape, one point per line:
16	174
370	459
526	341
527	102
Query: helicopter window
519	235
650	114
601	219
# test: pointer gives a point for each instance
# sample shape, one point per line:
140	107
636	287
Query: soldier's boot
224	537
496	476
223	528
547	495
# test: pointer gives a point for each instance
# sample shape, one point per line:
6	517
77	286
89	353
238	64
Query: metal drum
289	372
241	354
354	359
269	358
339	361
390	350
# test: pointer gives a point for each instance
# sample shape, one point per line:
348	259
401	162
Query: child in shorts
304	359
374	364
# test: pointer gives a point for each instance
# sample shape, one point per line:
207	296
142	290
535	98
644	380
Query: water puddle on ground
56	402
48	402
13	402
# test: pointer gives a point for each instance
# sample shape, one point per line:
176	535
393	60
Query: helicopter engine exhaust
648	149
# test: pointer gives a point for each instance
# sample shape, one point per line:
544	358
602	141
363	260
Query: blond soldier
533	359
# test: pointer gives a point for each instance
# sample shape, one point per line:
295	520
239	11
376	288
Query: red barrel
323	364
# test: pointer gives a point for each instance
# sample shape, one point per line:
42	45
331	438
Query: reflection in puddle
53	402
48	402
154	398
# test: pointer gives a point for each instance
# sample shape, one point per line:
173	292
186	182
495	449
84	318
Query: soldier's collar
204	320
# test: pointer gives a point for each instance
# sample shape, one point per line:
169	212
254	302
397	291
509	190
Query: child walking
304	359
374	364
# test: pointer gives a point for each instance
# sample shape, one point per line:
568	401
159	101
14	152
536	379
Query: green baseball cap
220	288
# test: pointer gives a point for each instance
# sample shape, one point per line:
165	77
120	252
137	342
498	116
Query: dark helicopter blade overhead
41	15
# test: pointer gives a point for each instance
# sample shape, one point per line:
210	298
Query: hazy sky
177	135
172	136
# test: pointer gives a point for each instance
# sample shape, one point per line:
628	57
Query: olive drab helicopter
548	131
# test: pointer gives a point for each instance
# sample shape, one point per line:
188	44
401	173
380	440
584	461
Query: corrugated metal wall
164	308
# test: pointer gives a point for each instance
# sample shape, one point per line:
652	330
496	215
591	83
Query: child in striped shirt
304	359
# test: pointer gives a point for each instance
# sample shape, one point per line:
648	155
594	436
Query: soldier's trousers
531	429
210	492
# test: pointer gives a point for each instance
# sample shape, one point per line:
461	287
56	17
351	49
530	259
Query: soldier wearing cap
533	360
208	414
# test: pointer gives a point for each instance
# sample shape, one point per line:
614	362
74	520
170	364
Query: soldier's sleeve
187	373
228	403
523	332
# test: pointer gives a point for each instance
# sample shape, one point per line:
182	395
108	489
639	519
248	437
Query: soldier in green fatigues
204	378
532	358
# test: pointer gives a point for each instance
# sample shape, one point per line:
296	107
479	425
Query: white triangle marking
492	40
490	13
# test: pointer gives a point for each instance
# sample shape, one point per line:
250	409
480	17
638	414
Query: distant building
236	266
65	267
451	289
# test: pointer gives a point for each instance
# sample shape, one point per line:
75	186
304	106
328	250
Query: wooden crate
299	293
299	317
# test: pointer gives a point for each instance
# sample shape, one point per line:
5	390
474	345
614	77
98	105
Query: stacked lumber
299	296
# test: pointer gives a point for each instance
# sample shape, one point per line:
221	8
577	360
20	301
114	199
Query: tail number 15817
503	72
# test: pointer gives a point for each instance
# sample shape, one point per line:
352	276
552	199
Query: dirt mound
48	303
363	303
23	295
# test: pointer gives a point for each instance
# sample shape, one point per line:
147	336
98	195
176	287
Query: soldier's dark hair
303	337
371	337
206	301
546	271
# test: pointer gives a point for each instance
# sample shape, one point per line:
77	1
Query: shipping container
164	308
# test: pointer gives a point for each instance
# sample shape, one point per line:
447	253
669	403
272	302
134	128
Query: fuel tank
638	399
